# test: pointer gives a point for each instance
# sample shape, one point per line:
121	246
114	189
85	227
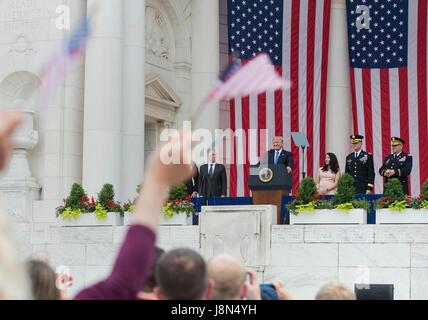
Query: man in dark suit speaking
212	178
280	156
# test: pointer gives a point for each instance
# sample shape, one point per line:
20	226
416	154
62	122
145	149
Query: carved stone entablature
162	102
158	37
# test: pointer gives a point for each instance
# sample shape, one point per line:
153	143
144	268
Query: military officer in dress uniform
398	164
359	164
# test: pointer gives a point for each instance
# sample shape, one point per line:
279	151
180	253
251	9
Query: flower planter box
127	218
90	219
407	216
178	219
328	216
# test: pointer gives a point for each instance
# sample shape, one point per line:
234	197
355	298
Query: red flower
176	200
93	201
188	198
111	204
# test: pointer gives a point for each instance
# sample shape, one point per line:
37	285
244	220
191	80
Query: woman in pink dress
328	175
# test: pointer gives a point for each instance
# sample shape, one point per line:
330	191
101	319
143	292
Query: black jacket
193	184
215	186
286	158
402	166
362	170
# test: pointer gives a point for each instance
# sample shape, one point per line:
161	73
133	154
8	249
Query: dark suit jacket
286	158
215	186
362	170
193	184
402	167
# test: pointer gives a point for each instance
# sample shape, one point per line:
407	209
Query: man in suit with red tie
280	156
212	178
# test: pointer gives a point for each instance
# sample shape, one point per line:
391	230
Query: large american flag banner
388	57
295	33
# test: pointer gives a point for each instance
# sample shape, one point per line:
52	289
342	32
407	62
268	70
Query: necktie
356	155
276	157
211	170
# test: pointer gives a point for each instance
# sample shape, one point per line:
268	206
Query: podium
269	183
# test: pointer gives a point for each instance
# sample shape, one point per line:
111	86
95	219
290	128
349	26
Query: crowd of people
141	270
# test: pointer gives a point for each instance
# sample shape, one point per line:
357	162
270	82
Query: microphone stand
303	167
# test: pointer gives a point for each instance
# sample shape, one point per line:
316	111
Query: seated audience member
229	279
182	275
328	176
335	291
43	281
148	292
137	253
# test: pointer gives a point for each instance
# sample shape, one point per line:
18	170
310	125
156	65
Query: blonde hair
335	291
228	275
14	281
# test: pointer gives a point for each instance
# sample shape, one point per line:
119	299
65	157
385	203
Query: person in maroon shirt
137	252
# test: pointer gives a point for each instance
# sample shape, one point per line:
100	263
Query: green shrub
307	190
425	190
106	193
178	191
345	190
74	200
393	190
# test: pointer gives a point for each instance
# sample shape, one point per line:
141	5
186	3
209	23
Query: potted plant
129	208
179	209
397	208
79	210
309	208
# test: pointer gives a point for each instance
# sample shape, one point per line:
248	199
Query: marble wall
304	257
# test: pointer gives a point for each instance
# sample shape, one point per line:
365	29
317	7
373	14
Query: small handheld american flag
54	70
254	77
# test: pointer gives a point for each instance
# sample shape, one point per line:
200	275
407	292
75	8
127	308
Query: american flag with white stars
384	44
256	28
388	71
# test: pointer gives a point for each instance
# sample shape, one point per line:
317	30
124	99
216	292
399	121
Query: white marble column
339	124
72	114
133	97
102	145
205	61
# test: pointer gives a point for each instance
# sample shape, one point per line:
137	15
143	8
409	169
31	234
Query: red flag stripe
422	89
368	109
294	94
385	112
310	57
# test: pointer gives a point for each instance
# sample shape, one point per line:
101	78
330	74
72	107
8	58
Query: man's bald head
228	275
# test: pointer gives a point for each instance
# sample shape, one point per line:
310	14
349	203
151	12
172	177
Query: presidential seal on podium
265	175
